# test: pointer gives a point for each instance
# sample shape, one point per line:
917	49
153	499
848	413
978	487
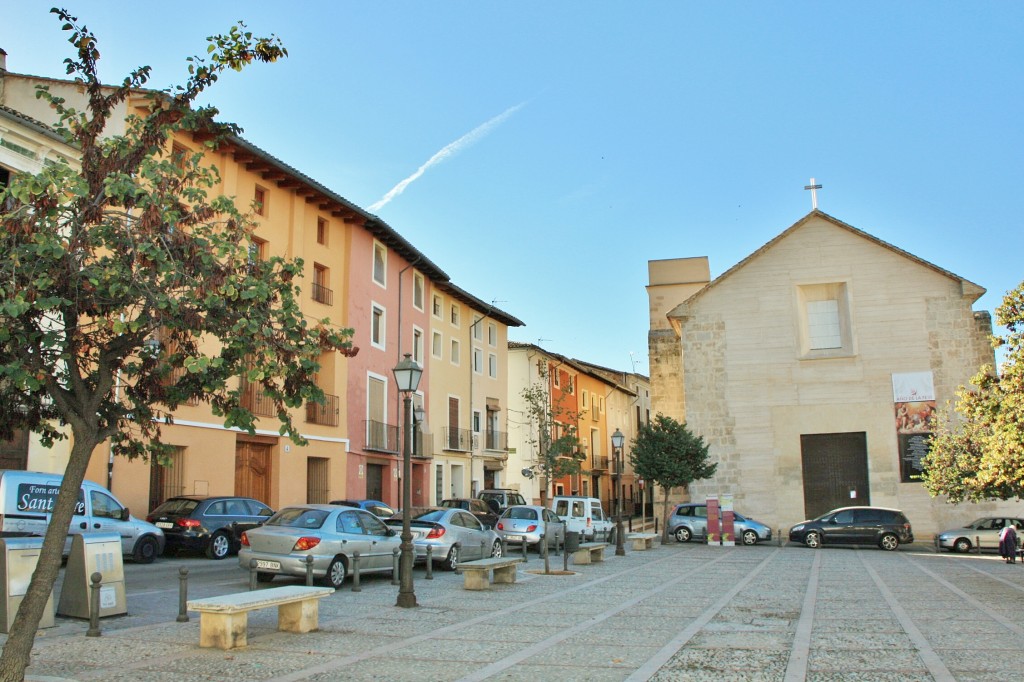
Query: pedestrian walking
1008	542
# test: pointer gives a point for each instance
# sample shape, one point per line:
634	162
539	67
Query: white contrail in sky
449	150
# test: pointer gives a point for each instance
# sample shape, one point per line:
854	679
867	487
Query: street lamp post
618	440
407	376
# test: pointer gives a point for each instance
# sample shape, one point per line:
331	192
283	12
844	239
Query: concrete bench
589	552
223	621
477	574
641	541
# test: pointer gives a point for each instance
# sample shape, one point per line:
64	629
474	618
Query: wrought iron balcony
382	437
423	445
599	463
322	294
326	414
496	440
256	402
458	440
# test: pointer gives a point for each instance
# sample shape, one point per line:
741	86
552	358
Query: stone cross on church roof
814	194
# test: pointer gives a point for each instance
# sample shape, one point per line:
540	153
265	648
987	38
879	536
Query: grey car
690	520
328	533
453	535
982	533
527	523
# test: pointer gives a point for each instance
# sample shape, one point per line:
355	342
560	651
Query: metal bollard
504	546
525	558
483	549
544	546
430	562
780	537
394	567
94	606
655	524
565	560
252	574
558	544
309	569
182	595
977	545
355	572
629	524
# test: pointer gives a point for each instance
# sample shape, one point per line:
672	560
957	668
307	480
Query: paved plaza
675	612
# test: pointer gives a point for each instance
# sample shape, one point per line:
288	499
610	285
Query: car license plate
271	565
514	538
164	524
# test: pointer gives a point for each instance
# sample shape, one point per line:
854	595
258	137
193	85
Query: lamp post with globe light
618	440
407	376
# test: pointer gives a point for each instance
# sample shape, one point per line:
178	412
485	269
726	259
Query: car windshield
520	513
299	518
455	504
434	515
177	505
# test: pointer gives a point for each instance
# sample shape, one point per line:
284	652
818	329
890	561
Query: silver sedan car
983	533
330	534
528	522
453	535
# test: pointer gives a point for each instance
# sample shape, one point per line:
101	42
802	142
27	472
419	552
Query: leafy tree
553	433
981	455
669	455
127	273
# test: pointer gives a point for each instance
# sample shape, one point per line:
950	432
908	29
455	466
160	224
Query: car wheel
219	547
962	545
264	577
336	573
749	537
496	549
451	562
812	539
889	542
683	534
145	550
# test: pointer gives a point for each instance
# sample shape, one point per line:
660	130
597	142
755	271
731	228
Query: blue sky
550	150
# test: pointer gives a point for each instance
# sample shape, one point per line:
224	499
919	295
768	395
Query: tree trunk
17	651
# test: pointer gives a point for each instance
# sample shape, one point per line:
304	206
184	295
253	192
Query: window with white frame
476	421
492	334
454	356
418	290
454	315
825	329
417	345
437	345
380	263
478	330
377	329
478	361
557	377
492	365
438	306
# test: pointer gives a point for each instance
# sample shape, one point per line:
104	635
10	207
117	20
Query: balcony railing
599	462
256	402
496	440
326	414
382	437
322	294
423	445
459	440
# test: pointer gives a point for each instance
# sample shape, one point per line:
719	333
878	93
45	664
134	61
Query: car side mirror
125	514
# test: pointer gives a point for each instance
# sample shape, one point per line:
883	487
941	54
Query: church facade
812	367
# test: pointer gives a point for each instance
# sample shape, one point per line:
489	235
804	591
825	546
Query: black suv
210	524
887	528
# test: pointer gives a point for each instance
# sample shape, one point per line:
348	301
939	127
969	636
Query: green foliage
134	250
669	455
979	455
553	433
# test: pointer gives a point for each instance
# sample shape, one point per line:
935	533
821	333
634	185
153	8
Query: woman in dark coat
1008	543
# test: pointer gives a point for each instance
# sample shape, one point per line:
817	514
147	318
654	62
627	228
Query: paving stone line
796	671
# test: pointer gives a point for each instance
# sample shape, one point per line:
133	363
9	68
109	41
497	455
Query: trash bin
572	541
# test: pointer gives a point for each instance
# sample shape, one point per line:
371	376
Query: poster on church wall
914	407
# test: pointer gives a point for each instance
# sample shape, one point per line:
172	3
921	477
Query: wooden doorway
252	469
318	480
375	482
835	470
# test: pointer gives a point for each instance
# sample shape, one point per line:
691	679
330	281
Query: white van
583	515
26	498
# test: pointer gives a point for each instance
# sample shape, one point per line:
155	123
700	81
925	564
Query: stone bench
223	621
477	574
589	552
641	541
